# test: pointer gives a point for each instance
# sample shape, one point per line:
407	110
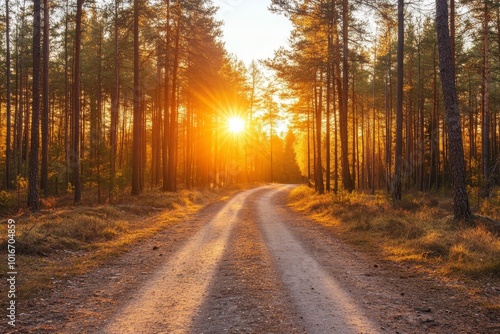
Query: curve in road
170	301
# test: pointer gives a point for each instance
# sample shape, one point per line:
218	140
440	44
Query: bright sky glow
250	30
235	125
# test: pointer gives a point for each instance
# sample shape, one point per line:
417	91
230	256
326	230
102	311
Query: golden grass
92	234
419	229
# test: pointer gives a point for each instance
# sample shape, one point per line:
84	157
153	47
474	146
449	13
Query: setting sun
236	124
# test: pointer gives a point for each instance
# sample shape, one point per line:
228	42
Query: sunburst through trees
156	98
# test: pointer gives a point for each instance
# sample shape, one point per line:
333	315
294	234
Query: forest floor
250	264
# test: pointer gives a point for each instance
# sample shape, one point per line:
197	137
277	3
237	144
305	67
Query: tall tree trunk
33	197
137	139
434	129
329	79
396	190
113	136
496	151
388	115
142	108
271	143
166	115
313	122
485	130
335	143
355	170
452	32
421	122
188	144
471	118
337	90
365	147
20	100
8	176
308	144
67	99
44	178
75	154
27	123
460	198
318	174
328	126
374	107
98	120
173	149
346	174
156	128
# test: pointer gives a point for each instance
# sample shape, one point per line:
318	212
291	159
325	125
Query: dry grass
64	241
420	229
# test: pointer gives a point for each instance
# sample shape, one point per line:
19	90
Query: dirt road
250	265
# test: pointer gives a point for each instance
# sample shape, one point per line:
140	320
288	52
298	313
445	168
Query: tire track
246	295
167	302
320	300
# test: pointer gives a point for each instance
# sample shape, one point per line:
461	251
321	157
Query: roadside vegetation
64	240
419	229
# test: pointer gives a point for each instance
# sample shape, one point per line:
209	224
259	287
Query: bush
398	228
7	201
419	229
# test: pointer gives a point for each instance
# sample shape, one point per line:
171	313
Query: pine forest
102	98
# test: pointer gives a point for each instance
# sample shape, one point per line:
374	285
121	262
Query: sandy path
166	303
322	303
246	294
243	272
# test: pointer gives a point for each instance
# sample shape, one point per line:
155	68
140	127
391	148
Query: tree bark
33	197
308	144
173	149
137	139
329	79
452	32
67	100
396	190
113	136
44	178
485	129
166	115
328	125
75	150
460	198
318	173
20	97
374	106
8	177
346	174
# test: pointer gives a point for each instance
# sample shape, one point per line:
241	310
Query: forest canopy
99	98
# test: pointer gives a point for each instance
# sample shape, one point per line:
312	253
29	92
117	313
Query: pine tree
460	198
44	178
75	149
8	176
137	131
396	191
33	196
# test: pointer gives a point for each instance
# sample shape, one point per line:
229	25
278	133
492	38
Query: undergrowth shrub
76	228
418	229
432	244
7	201
402	229
72	231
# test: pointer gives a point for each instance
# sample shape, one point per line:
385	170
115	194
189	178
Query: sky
250	30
